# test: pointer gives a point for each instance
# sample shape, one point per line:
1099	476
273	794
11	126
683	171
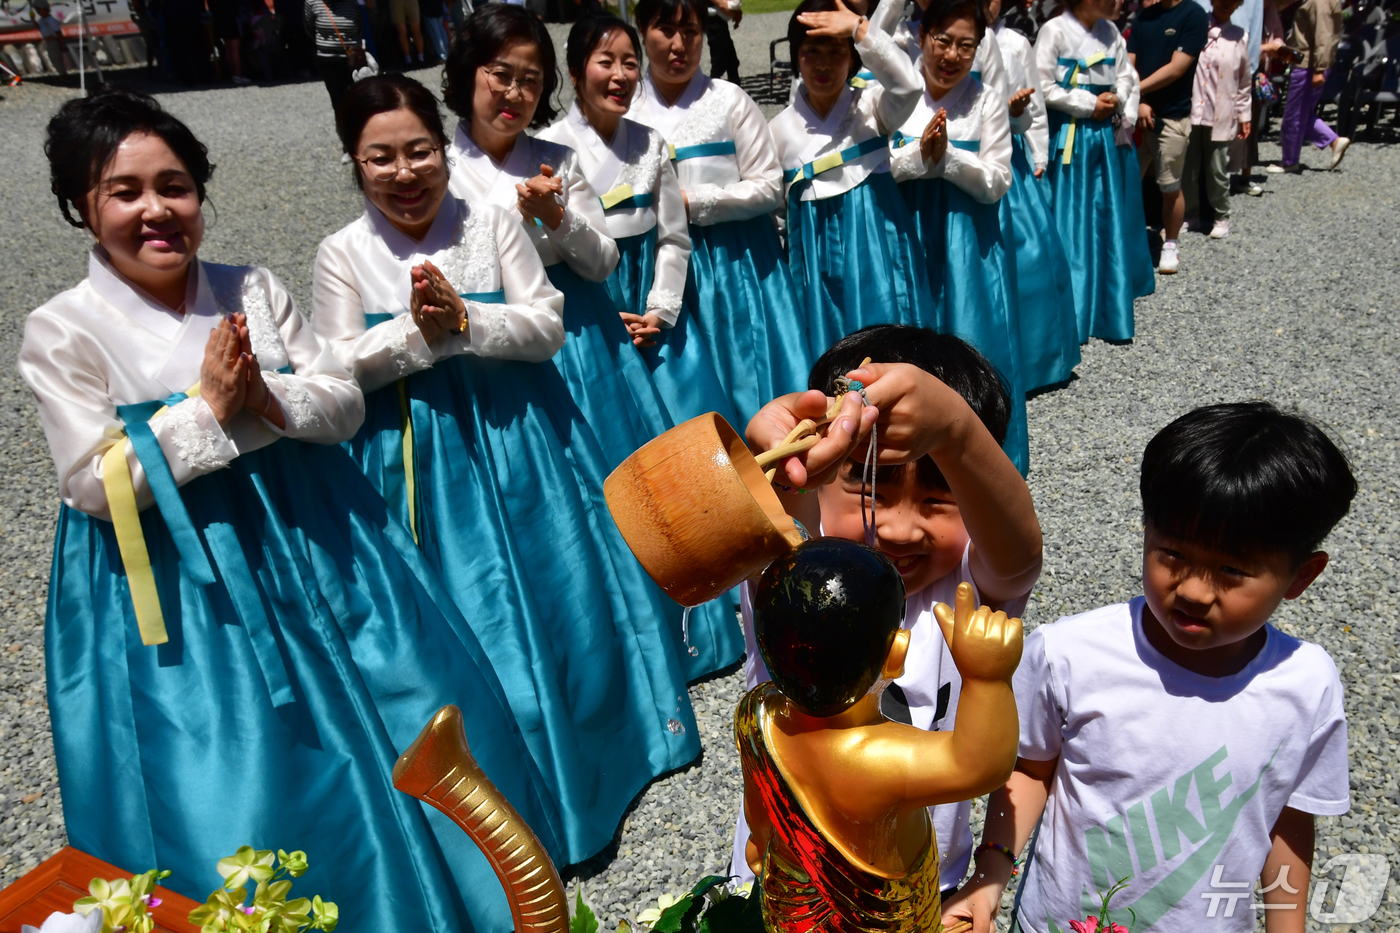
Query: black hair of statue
385	93
589	33
797	33
83	136
939	13
1246	478
825	615
678	12
489	28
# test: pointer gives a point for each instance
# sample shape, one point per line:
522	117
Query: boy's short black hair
797	32
1246	478
953	360
85	133
824	617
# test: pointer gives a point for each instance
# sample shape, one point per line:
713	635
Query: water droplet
685	631
676	726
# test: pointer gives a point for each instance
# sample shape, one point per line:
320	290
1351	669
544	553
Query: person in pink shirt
1220	112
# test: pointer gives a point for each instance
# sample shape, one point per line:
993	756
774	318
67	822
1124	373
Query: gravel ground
1299	305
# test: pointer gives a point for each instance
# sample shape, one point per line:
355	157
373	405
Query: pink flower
153	901
251	910
1091	925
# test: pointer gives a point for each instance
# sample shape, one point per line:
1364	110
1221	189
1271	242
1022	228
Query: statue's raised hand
986	645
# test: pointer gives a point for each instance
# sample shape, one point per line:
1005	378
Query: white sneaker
345	158
1254	191
1170	260
1221	230
1190	223
1275	169
1339	149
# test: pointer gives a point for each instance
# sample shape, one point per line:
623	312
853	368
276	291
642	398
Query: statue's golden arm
438	769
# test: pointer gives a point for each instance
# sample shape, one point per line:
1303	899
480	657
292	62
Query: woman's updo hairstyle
369	97
481	38
797	32
589	33
651	12
939	13
85	133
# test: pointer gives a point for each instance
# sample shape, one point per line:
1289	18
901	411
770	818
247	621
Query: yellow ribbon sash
131	541
1073	82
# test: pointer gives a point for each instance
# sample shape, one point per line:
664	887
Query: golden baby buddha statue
836	796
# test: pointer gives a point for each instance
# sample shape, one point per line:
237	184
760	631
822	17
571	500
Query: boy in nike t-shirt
1178	742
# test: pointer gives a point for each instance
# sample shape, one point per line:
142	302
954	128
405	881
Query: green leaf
735	914
672	917
583	920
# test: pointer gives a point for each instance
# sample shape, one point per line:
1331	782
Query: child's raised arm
921	415
818	465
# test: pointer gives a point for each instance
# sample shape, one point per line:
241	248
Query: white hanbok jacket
978	118
106	343
582	239
1034	122
987	64
364	267
1065	37
636	157
741	185
858	114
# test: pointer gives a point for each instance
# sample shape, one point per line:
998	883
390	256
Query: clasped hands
539	198
436	307
230	378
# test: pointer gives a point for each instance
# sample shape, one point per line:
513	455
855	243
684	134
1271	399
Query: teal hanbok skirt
685	376
1045	294
508	508
740	294
292	680
606	375
972	277
1098	210
856	261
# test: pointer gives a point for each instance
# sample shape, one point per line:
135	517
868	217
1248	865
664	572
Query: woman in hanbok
739	291
854	253
987	65
952	160
240	638
499	79
645	214
442	311
1049	328
1089	84
629	164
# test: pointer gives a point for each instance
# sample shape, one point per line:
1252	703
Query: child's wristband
1004	850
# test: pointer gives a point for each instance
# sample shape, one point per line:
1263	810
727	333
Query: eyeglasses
385	167
943	43
500	80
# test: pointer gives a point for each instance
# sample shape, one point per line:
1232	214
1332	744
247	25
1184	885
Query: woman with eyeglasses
1089	86
739	292
645	214
988	65
500	78
442	310
952	160
852	247
240	638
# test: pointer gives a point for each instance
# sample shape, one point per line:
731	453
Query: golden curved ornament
438	768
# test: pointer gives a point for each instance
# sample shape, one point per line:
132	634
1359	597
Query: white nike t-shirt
927	697
1167	777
